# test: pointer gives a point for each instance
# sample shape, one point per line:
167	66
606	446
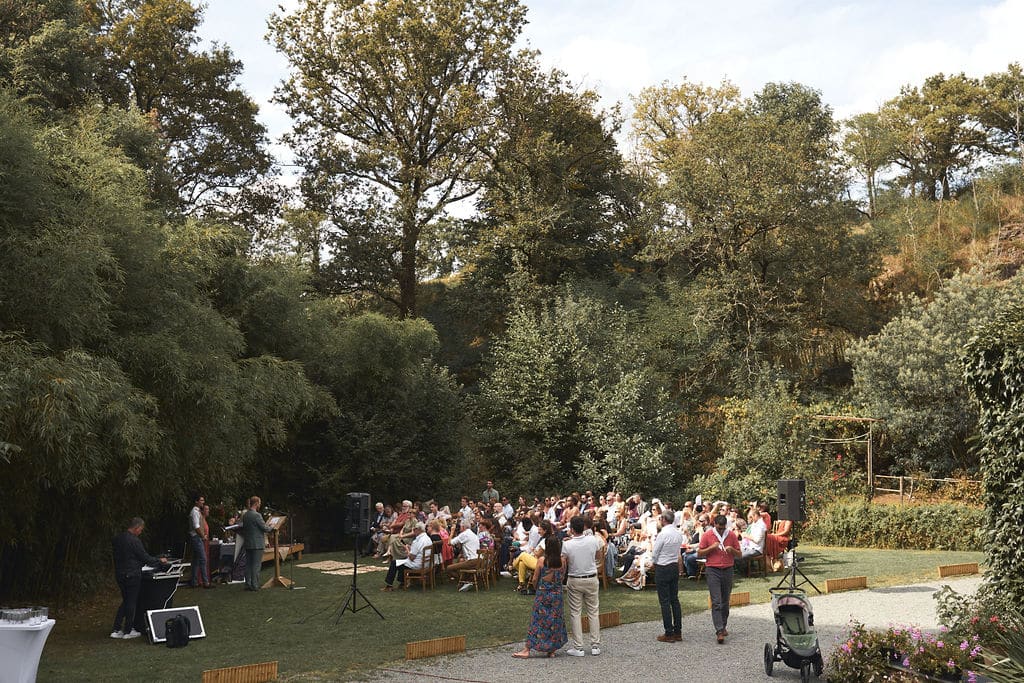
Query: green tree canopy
910	374
392	107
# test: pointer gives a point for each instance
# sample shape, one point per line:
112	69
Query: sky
857	53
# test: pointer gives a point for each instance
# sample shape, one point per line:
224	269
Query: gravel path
630	652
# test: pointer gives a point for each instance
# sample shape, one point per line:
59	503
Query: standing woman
547	624
253	537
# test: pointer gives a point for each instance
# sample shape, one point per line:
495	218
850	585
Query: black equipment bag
177	629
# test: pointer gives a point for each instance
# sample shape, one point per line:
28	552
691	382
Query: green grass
298	628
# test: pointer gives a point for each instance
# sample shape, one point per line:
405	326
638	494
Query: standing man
721	548
197	540
579	557
666	576
253	530
129	557
490	494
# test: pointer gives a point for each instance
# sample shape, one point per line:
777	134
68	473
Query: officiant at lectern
253	533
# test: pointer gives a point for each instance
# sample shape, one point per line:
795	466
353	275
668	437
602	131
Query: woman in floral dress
547	623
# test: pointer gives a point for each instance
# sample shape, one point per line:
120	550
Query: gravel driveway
630	652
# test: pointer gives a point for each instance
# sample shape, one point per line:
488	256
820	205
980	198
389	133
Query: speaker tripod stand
794	569
351	599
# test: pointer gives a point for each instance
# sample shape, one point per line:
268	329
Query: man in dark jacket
253	530
129	558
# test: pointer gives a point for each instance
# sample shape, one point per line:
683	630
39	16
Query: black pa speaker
792	500
358	518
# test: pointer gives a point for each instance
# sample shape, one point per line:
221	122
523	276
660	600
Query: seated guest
438	532
418	513
634	573
776	543
402	531
526	561
752	540
507	511
691	545
468	544
466	511
610	551
376	528
421	544
485	533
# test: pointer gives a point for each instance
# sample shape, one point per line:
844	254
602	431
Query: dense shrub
921	527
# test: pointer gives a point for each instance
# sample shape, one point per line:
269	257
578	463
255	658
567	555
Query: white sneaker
595	650
507	575
573	652
465	587
131	634
116	634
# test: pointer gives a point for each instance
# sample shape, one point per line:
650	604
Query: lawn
301	629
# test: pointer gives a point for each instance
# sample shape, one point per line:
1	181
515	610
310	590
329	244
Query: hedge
943	526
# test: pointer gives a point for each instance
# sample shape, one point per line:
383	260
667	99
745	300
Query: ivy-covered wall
995	373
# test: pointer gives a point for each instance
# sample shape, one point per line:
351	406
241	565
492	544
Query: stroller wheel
805	671
769	659
817	665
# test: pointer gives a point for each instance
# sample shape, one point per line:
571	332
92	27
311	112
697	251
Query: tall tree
1003	110
936	131
752	223
557	198
869	147
391	103
214	146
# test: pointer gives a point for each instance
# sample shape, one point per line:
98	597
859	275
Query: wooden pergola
867	438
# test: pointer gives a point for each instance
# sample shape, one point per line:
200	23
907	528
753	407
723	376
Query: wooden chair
702	564
478	574
757	564
425	574
438	557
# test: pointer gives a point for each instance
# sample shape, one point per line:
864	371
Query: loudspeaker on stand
358	518
792	500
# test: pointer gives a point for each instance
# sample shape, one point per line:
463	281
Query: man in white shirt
469	542
666	576
579	557
196	537
752	542
419	551
466	511
506	509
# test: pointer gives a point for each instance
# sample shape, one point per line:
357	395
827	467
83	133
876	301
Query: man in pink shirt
721	548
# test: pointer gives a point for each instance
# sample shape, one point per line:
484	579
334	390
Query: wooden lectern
274	523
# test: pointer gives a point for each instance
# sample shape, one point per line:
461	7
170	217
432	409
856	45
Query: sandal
522	655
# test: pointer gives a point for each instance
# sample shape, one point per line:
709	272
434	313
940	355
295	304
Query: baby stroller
796	640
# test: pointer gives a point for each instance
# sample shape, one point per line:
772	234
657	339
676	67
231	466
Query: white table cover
20	648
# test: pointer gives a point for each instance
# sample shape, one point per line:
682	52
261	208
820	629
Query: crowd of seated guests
516	533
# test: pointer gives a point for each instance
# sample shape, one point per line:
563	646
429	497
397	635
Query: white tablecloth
20	649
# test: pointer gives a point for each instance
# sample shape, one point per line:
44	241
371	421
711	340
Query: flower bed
903	654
